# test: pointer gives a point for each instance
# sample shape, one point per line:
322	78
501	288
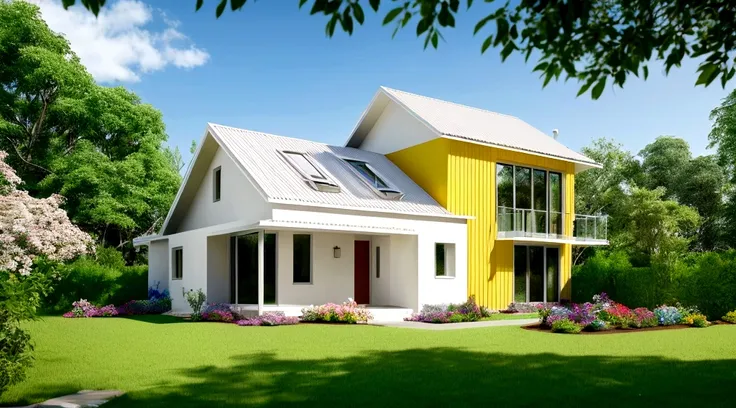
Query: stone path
455	326
81	399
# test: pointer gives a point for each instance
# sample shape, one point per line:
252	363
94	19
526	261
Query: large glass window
540	201
523	187
302	258
529	200
555	203
536	273
367	173
244	269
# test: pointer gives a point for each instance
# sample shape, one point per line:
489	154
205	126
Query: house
428	202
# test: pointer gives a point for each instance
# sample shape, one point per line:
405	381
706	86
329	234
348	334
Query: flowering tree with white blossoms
35	234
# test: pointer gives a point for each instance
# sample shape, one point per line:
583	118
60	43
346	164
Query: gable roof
456	121
259	156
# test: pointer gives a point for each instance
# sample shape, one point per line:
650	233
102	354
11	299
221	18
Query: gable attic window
368	175
310	173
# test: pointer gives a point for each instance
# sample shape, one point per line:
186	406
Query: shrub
730	317
155	294
565	325
218	316
269	319
582	314
469	311
142	307
618	315
696	320
102	281
348	312
667	315
196	299
598	325
644	317
531	307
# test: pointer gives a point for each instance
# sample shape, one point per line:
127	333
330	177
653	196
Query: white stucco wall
239	200
410	260
332	278
433	290
158	264
396	129
381	286
404	278
218	269
194	272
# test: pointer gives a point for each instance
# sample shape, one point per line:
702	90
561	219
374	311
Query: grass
511	316
162	361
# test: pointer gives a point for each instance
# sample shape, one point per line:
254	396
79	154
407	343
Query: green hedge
706	280
103	279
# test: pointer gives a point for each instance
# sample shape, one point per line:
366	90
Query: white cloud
119	45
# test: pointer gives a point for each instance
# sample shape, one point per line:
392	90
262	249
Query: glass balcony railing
529	223
516	222
590	227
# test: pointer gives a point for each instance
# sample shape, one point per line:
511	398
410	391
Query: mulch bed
538	327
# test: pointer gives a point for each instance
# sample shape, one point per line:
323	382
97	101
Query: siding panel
462	177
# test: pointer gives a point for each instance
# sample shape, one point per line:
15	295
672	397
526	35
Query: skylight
374	180
312	175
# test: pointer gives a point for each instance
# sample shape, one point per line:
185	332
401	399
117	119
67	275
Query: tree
655	226
723	137
701	184
663	162
592	41
100	147
35	234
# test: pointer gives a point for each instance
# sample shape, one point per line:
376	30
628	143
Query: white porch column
261	268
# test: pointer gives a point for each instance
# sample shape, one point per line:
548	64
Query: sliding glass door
244	269
536	274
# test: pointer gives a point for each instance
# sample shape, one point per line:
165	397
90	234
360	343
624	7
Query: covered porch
287	265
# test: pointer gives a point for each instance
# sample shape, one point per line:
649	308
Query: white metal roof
259	155
458	121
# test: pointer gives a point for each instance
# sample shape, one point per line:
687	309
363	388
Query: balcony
548	226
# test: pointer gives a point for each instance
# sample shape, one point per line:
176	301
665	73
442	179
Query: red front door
362	272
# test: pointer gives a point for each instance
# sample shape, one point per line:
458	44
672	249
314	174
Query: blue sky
271	69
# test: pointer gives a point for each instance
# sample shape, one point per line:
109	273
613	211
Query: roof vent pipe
555	133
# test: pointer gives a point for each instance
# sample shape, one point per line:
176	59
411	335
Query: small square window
444	260
302	258
177	263
216	184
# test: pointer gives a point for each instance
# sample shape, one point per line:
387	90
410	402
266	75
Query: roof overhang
311	226
382	98
147	239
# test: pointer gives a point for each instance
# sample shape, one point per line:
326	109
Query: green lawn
161	361
509	316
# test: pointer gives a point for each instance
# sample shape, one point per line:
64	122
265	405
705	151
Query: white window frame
174	263
449	249
324	183
215	173
391	192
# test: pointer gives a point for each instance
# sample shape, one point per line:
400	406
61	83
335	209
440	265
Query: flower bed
605	314
269	319
159	302
469	311
348	312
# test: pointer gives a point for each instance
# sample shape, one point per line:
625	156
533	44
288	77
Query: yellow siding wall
461	177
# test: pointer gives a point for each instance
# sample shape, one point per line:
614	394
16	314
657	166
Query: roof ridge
271	134
452	103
